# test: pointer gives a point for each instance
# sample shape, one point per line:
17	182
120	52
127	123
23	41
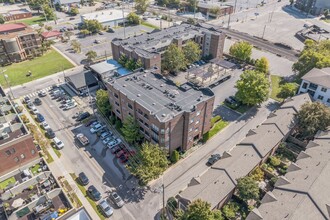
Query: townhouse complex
218	184
149	47
17	42
16	143
171	116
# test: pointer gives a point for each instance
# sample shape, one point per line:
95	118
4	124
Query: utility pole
8	84
163	189
263	33
230	15
195	9
124	20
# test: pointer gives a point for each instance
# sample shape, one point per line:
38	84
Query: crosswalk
33	94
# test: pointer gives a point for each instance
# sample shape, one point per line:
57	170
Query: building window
22	156
313	86
147	133
154	137
146	116
8	152
154	128
117	103
117	111
130	106
196	129
146	124
190	129
191	120
33	152
140	112
12	150
320	97
141	120
141	129
162	140
130	114
16	159
116	95
197	122
198	113
324	89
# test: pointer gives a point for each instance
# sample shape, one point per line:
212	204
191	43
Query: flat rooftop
147	44
159	95
105	16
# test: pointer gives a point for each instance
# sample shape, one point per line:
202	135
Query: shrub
112	119
175	156
257	174
118	125
215	119
172	204
274	161
25	119
230	210
273	180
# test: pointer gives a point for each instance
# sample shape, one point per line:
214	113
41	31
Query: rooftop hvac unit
4	135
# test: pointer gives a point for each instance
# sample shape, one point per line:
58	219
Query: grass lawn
6	182
218	126
149	25
50	63
275	83
31	21
34	169
92	202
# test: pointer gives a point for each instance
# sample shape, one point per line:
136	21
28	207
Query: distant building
314	7
111	17
14	15
218	183
149	47
317	83
171	116
314	33
67	2
17	42
304	192
81	82
206	8
51	35
16	143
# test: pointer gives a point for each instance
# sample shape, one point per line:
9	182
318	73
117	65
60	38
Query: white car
114	143
107	140
96	128
45	125
58	143
35	111
105	135
70	105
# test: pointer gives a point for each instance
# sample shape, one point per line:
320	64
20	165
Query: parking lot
104	170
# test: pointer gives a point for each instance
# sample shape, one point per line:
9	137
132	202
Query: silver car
106	208
117	199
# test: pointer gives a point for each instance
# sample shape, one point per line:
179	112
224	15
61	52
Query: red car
123	158
115	149
119	153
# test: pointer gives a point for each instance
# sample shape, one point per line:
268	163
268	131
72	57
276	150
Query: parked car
83	179
58	143
123	158
105	135
30	105
93	193
37	101
42	94
45	125
116	149
214	158
26	100
91	122
35	111
83	116
113	143
100	132
96	128
107	140
50	133
97	41
106	208
231	102
40	118
110	30
70	106
117	199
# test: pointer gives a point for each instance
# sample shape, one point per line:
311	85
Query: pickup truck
82	139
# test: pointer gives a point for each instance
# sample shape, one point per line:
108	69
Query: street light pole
230	14
8	84
122	7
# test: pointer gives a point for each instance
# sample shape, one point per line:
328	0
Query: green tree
274	161
91	55
191	21
192	5
74	11
2	19
257	174
192	52
102	102
291	2
229	210
48	28
76	46
68	34
48	12
174	59
313	117
248	188
122	60
241	50
288	90
133	18
138	64
313	55
84	32
262	65
252	87
36	4
93	26
130	130
152	162
326	13
141	5
91	2
200	210
175	156
215	10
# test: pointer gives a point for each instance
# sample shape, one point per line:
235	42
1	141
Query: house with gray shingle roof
218	183
317	83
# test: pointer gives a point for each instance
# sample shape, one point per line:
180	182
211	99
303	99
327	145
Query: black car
93	193
83	179
37	101
232	102
83	116
50	133
26	99
214	158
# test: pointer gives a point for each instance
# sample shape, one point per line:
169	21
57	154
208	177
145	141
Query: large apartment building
171	116
314	7
16	143
149	47
17	42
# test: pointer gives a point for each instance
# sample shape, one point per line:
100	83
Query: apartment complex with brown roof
16	143
218	183
171	116
17	42
304	192
149	47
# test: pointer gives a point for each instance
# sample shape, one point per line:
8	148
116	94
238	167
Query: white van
58	143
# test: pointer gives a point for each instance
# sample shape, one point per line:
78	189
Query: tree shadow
296	13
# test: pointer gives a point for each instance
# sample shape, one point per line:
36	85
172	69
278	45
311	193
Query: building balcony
154	130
